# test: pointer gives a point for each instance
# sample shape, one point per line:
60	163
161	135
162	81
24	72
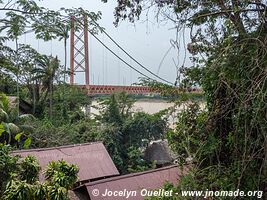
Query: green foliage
47	134
236	101
4	102
143	127
187	89
29	169
15	26
2	129
19	178
18	190
135	161
8	165
188	138
58	193
36	74
193	76
111	137
119	131
125	133
226	143
55	174
132	131
115	109
228	44
46	23
7	84
57	106
13	127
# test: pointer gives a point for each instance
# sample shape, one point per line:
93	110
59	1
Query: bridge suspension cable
111	51
119	46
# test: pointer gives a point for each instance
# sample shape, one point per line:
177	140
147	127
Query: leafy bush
19	178
14	128
124	132
136	162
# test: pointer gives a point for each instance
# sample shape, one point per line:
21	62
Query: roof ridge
58	147
131	175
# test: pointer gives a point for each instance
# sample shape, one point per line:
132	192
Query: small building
138	183
160	152
92	159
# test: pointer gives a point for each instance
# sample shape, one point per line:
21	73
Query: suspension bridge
79	63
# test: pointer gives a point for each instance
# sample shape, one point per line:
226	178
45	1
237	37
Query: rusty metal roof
92	159
150	180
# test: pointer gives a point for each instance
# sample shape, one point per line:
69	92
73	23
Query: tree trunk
50	99
17	74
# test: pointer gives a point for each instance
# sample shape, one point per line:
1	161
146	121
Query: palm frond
3	115
25	117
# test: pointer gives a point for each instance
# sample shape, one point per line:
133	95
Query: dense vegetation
228	46
20	178
54	109
122	132
226	142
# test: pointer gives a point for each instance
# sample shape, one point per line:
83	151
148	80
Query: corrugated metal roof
92	159
150	180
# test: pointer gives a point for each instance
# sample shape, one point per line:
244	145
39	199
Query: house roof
150	180
159	151
24	106
92	159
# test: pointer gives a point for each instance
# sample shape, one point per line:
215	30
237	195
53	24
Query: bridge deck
110	89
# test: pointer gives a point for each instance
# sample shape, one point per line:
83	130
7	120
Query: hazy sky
146	41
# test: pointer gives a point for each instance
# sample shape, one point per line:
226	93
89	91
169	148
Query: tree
47	71
13	127
136	162
7	83
143	127
21	17
228	47
68	102
196	13
20	178
116	109
46	23
125	134
8	165
26	58
111	113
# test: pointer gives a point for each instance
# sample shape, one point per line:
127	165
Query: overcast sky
147	42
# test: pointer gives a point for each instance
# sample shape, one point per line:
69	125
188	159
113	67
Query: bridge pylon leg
79	51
